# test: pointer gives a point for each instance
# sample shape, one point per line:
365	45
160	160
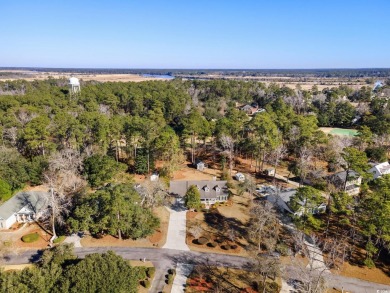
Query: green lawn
344	132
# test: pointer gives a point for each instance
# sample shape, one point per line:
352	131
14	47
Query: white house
380	169
22	207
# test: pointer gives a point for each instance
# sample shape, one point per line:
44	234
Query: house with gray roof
23	207
378	170
350	183
282	198
211	191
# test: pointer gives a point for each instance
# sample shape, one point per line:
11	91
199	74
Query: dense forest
80	143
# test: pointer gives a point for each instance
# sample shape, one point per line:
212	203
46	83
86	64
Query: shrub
212	244
59	239
172	271
369	263
218	240
146	283
170	279
282	248
150	272
234	246
225	247
202	240
30	237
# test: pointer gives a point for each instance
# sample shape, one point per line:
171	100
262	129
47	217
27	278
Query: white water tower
74	85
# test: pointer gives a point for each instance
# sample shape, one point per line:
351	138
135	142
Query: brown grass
236	279
234	216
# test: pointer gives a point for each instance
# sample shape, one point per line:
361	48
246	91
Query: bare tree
153	193
312	275
24	117
265	267
263	223
304	159
277	155
57	204
67	164
227	144
11	134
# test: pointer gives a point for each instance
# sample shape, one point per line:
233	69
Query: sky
195	34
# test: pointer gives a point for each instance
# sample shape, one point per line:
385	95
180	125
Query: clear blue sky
195	34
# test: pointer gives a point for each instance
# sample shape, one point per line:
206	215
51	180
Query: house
282	198
211	191
251	109
21	208
380	169
200	165
155	176
239	177
269	172
350	184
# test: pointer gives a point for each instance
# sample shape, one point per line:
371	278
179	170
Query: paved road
168	258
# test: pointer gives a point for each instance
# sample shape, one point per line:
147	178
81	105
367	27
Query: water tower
74	85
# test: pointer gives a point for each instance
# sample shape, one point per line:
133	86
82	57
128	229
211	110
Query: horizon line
220	69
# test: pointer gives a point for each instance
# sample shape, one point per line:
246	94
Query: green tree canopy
192	198
101	169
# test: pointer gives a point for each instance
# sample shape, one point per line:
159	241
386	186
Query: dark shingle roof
180	188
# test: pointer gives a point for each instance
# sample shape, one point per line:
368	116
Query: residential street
168	258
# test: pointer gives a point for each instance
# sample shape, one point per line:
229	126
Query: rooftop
33	200
207	188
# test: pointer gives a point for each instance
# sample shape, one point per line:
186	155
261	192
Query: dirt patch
186	172
16	267
157	239
205	279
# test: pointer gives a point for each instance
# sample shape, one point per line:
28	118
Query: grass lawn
157	239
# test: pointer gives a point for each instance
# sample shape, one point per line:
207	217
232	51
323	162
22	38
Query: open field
33	75
305	83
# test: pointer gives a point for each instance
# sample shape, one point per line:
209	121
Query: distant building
350	185
211	191
252	109
239	177
155	176
21	208
379	170
74	85
269	172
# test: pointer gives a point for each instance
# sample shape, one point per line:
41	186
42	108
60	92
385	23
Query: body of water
165	76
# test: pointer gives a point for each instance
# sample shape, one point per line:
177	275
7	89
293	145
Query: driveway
176	236
182	273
